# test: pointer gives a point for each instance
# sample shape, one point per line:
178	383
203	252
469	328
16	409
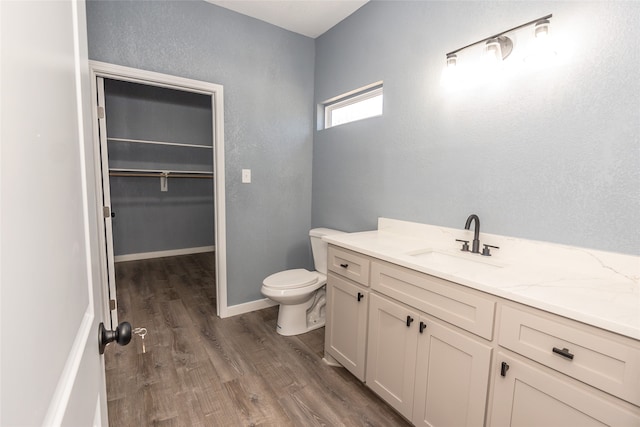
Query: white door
51	300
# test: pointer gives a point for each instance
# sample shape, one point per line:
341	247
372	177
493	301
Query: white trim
97	415
353	92
104	195
330	360
221	203
248	307
163	254
60	398
216	91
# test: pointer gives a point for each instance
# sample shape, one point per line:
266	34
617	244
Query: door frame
118	72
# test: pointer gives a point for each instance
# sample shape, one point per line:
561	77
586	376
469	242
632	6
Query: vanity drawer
440	298
604	360
349	264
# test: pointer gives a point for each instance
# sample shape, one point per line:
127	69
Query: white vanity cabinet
432	372
447	354
347	303
565	366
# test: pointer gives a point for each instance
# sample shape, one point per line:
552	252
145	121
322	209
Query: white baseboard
162	254
247	307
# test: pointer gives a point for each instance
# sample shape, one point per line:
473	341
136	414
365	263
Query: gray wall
551	155
267	74
148	219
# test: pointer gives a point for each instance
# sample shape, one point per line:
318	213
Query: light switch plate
246	176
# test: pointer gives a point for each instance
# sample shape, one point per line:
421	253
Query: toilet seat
291	279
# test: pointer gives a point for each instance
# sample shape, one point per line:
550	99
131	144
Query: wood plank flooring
196	369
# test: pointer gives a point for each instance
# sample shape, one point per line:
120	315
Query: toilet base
289	331
298	319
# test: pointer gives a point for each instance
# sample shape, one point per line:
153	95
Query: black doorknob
122	335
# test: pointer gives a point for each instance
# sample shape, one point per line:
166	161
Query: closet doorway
160	155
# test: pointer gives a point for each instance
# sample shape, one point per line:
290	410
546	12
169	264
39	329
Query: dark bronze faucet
475	247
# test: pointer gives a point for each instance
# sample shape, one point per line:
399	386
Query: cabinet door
346	326
530	395
452	377
391	352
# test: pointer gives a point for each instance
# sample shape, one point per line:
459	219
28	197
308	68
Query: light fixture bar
500	34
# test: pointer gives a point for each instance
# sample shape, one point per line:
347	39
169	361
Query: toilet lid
290	279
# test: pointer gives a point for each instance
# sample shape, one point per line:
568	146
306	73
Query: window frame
351	98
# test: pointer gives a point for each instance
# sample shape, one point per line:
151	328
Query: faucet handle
465	245
486	251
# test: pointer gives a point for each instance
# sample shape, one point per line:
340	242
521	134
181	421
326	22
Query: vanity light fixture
500	46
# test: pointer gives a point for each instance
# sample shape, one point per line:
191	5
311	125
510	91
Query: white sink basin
452	260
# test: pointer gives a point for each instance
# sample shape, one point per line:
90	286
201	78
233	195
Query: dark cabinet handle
360	296
503	369
423	326
344	265
563	352
409	320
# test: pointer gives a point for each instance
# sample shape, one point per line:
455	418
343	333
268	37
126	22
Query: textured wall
549	155
267	74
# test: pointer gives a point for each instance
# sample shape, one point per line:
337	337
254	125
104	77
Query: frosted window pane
359	110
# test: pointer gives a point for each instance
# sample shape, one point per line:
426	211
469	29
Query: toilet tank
319	247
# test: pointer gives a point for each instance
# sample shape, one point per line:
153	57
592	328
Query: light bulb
494	50
541	29
542	51
452	60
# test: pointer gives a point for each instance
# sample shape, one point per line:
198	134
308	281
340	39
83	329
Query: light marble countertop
598	288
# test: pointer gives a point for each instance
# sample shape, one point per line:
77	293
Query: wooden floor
196	369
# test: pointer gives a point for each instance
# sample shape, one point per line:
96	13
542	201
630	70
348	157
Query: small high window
356	105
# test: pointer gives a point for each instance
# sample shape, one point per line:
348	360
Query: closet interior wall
160	149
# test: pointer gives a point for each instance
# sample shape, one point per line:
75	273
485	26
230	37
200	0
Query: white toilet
300	292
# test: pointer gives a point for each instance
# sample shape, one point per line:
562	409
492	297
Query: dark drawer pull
360	296
344	265
423	326
409	320
504	367
563	352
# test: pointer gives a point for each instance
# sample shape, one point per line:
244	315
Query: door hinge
112	304
106	211
101	112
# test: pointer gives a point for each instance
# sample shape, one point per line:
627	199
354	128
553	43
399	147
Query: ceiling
310	18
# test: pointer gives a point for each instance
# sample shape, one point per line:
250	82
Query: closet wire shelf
173	144
163	175
160	173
